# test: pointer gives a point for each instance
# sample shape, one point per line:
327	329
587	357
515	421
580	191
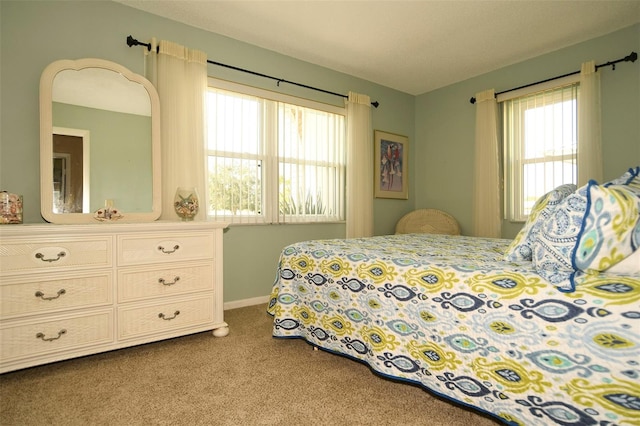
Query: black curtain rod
632	57
133	42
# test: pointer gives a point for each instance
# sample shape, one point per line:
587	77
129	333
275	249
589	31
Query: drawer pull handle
163	282
41	294
41	257
175	248
175	314
51	339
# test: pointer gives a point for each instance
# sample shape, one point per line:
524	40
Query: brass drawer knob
168	251
42	296
175	314
41	257
164	282
51	339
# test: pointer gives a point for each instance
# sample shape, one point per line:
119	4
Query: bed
490	324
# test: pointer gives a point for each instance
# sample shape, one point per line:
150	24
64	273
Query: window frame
271	161
513	174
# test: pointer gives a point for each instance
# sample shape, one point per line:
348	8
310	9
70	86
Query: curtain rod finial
133	42
472	100
375	104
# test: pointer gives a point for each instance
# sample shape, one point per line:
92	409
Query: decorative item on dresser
186	203
73	290
10	208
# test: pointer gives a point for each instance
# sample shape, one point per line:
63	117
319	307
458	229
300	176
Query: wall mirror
99	144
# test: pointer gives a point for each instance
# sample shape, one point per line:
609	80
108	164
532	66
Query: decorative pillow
626	178
556	240
629	266
611	229
521	246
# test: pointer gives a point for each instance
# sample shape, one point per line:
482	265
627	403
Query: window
272	158
540	143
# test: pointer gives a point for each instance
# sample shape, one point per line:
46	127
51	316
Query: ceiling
412	46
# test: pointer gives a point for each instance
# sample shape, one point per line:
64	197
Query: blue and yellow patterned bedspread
447	313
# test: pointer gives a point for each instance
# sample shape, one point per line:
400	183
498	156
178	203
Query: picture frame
391	173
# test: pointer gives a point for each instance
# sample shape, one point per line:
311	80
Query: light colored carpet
246	378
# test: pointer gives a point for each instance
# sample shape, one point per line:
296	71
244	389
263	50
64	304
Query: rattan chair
428	221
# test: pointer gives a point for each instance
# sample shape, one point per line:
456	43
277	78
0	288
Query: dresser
73	290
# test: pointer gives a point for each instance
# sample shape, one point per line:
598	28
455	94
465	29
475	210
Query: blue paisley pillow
556	240
521	246
611	229
627	178
590	231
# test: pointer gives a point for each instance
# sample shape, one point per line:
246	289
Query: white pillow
630	265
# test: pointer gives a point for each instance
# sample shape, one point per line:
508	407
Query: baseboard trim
246	302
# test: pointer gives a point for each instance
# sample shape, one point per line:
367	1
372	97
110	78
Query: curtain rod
632	57
133	42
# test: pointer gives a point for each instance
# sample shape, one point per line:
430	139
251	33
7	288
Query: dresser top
110	228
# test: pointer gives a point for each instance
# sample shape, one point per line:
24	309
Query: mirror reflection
99	143
101	106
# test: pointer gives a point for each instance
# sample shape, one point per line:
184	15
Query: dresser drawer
55	254
142	283
135	321
62	333
42	294
167	247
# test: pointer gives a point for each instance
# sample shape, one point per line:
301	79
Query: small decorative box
10	208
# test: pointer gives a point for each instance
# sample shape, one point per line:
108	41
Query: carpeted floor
246	378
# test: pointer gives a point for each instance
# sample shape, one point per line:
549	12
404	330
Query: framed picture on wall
391	178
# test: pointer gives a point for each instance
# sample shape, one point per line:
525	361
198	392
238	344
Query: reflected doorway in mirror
71	170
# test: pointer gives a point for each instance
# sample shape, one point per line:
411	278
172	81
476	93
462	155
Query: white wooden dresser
73	290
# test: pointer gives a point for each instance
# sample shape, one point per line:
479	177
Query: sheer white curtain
589	129
359	166
180	76
487	221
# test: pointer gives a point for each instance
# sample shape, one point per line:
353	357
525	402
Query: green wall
445	121
125	179
34	34
439	124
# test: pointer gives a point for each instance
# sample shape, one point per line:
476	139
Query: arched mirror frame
46	142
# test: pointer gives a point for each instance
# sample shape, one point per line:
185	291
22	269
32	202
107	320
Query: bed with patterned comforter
450	314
